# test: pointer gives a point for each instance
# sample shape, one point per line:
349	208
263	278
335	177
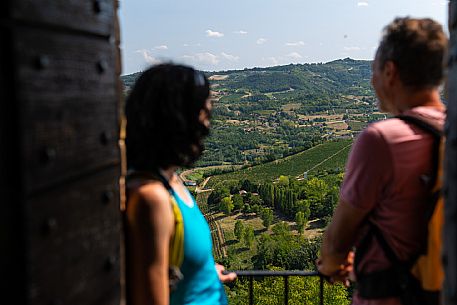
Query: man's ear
390	72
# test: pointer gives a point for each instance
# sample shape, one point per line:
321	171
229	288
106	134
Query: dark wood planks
69	116
95	16
60	226
74	242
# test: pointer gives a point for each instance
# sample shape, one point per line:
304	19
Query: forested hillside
263	114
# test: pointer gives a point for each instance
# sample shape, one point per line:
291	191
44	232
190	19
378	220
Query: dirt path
183	175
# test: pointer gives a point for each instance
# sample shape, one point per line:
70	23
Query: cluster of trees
244	233
280	251
233	144
313	198
285	250
296	200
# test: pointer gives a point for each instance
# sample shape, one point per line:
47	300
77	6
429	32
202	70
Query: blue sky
236	34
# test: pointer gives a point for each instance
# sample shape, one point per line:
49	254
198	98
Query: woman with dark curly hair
169	250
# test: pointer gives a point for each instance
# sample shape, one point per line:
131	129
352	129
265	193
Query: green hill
343	76
264	114
327	156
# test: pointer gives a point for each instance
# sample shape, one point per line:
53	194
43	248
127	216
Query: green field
356	125
327	156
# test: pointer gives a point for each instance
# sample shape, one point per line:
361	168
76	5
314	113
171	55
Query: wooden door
59	159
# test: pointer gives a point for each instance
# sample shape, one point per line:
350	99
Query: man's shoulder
392	127
386	124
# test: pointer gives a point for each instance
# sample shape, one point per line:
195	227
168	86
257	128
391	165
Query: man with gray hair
384	196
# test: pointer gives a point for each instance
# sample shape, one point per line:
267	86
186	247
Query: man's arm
335	258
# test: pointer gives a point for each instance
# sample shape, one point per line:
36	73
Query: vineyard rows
328	156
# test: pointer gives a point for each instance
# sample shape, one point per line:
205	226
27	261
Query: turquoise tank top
201	284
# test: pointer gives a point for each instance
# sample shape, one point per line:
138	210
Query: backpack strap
434	183
176	249
176	253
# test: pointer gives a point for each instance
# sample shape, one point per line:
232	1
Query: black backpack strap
421	124
165	182
155	175
437	135
362	249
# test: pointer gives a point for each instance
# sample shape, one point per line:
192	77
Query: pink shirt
383	176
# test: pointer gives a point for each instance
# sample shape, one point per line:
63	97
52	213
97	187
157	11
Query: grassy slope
320	157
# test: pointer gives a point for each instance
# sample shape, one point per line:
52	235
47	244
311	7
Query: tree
301	221
216	196
226	205
266	192
255	208
283	180
247	208
267	217
239	230
255	200
281	228
237	201
248	186
289	203
303	206
248	236
316	192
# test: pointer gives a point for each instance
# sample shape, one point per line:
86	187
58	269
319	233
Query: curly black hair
163	125
418	48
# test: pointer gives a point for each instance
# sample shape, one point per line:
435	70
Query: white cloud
215	34
295	44
206	58
161	47
261	41
230	57
192	45
241	32
353	48
294	55
272	60
148	57
362	3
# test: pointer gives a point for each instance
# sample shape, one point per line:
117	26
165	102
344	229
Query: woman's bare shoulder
150	197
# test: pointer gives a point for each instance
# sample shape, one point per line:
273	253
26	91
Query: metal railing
251	274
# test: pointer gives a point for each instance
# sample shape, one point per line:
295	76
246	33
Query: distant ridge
129	79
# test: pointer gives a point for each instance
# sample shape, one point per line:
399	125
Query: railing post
286	290
251	290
